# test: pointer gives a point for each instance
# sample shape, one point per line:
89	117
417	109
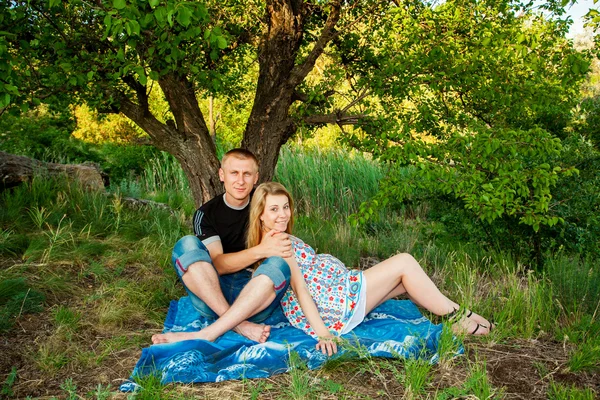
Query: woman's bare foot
257	332
480	320
470	326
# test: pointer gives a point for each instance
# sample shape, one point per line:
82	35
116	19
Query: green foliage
8	383
114	48
327	183
576	201
585	358
493	173
43	135
557	391
16	299
300	386
577	282
477	385
46	136
416	377
94	128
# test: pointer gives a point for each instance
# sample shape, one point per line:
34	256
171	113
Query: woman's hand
327	344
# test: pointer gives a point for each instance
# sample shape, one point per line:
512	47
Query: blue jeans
189	249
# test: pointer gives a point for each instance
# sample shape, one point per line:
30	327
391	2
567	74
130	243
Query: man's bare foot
172	337
257	332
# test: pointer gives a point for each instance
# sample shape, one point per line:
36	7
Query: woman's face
277	213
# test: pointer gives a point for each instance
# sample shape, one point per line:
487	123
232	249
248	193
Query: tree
390	68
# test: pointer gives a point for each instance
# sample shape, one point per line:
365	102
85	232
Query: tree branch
303	97
301	71
338	118
140	91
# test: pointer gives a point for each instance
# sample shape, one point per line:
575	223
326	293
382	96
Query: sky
577	11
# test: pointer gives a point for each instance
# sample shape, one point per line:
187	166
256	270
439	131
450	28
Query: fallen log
15	170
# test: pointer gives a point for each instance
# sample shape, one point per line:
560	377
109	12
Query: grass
89	279
556	391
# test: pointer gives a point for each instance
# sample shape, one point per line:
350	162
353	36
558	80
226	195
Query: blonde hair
259	199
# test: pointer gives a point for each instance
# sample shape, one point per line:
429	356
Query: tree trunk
270	125
212	123
187	139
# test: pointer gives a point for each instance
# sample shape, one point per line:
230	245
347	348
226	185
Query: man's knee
276	269
188	251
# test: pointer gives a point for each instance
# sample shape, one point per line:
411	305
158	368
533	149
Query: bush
46	136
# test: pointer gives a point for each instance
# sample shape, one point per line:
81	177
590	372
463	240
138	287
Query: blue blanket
394	329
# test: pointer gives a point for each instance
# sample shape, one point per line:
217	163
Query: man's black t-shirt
216	220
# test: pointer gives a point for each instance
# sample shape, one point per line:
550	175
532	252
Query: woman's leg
402	274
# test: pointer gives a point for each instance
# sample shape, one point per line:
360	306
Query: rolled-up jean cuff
278	277
189	257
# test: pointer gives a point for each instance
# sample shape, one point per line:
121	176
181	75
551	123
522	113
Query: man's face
239	177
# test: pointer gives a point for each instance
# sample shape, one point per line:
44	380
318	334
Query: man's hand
276	243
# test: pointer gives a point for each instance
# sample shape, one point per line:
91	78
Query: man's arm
273	244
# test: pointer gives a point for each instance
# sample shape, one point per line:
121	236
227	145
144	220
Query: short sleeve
203	227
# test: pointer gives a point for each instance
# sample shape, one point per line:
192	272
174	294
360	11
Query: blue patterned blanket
394	329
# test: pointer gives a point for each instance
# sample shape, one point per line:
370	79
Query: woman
325	299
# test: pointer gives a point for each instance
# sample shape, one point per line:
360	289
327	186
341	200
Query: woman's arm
327	341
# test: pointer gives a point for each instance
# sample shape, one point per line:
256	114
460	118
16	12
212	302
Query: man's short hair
240	154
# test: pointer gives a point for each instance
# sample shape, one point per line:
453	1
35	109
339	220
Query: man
213	264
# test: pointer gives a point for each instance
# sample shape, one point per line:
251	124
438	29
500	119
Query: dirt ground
517	369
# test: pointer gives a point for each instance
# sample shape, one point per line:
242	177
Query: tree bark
270	126
212	123
187	139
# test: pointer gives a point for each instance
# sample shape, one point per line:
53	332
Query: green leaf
134	27
486	41
139	70
153	3
184	16
153	75
107	21
119	4
5	100
221	42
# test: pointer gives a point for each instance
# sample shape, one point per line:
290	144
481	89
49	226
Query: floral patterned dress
333	287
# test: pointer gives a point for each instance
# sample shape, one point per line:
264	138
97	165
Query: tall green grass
323	183
327	183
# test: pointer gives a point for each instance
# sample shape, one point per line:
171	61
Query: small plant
585	358
417	374
58	236
70	387
16	299
557	391
101	392
151	388
117	206
66	318
300	386
39	216
8	383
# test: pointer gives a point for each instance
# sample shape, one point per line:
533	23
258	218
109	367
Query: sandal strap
456	315
476	328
